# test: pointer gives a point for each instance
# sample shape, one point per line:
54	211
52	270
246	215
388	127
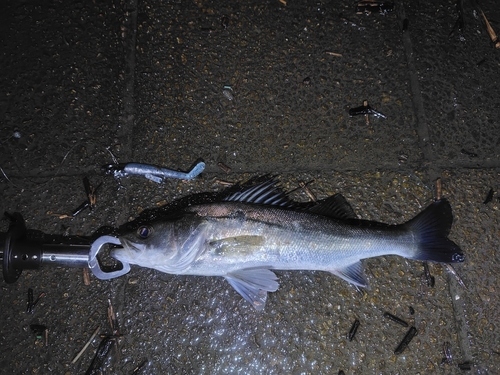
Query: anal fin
253	285
353	274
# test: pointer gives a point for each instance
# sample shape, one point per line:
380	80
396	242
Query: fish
248	233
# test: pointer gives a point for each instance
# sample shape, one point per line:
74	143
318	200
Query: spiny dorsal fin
335	207
265	193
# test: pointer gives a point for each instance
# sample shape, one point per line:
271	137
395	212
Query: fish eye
144	232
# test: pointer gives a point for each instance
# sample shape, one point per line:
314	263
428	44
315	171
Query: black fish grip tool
18	251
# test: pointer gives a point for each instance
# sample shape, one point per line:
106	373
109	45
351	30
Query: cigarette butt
334	54
283	2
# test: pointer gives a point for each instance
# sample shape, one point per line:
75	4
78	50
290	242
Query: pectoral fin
253	285
353	274
238	245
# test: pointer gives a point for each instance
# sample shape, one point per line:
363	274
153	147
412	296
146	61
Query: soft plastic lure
151	172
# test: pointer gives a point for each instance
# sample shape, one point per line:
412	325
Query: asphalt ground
151	81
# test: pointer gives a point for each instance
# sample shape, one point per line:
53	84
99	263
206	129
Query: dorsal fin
264	193
335	207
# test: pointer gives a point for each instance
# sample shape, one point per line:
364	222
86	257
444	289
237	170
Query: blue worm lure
151	172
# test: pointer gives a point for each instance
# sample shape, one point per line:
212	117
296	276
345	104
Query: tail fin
431	228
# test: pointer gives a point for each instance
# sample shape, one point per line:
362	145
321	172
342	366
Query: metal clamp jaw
94	263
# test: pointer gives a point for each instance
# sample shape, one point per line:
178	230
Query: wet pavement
263	87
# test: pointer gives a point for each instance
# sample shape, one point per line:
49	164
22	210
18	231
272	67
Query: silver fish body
237	235
248	235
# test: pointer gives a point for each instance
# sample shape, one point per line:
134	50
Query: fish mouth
129	250
133	246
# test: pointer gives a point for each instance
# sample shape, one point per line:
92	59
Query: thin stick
86	276
334	54
455	273
491	32
304	187
224	167
87	344
112	319
115	160
225	183
7	178
114	326
367	118
438	189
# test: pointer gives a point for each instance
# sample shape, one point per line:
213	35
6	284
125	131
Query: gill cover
168	246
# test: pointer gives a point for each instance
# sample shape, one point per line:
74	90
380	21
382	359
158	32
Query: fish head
168	245
147	245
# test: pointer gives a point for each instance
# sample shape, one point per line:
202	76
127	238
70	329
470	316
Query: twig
60	216
112	319
86	276
86	345
224	167
367	118
491	32
438	189
455	273
303	185
8	179
225	183
139	367
115	329
406	340
115	160
334	54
